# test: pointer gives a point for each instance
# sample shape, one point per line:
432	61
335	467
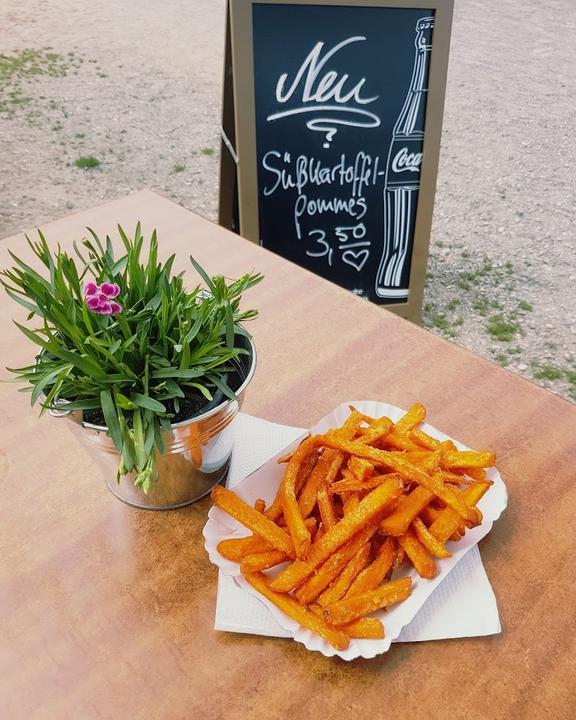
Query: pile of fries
355	505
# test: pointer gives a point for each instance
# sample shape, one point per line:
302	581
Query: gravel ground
136	86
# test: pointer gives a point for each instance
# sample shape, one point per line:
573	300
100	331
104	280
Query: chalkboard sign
338	110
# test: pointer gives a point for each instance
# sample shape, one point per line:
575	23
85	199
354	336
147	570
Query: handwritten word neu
330	86
404	160
326	93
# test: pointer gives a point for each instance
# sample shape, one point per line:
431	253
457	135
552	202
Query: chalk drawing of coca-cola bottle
403	174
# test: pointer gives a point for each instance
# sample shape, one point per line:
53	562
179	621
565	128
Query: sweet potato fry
252	519
347	610
294	520
351	503
236	549
448	521
365	418
457	535
333	566
338	587
377	430
274	511
360	468
399	558
429	514
431	543
373	575
474	521
285	458
262	561
352	485
426	460
423	439
409	507
365	628
369	507
456	479
475	473
468	459
400	441
306	468
419	556
415	415
324	473
326	508
302	615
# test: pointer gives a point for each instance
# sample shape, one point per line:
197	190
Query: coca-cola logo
404	160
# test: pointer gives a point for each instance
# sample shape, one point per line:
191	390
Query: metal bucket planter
197	455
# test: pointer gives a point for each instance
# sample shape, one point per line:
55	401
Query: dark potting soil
194	403
189	406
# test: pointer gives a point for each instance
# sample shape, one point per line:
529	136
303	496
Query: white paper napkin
463	605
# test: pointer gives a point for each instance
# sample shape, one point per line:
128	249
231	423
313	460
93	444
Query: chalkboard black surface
341	139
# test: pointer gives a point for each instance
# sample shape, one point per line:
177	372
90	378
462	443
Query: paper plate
264	482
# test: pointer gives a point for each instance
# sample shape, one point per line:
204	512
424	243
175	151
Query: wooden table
107	611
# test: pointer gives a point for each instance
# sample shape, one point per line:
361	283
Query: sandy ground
137	85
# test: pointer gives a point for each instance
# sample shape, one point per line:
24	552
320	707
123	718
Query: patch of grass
87	162
207	151
465	254
525	306
80	136
481	305
501	359
547	372
440	321
571	376
24	68
439	243
453	304
502	328
178	167
32	62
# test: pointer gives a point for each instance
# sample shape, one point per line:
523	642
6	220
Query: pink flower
99	298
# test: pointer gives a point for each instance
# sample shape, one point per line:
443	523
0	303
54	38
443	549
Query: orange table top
108	611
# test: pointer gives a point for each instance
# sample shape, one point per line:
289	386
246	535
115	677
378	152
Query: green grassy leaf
47	379
111	416
141	456
221	385
203	274
149	403
173	372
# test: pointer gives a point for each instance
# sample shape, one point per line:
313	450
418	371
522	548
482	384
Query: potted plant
150	373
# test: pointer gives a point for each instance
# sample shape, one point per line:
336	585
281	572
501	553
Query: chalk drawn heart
356	258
